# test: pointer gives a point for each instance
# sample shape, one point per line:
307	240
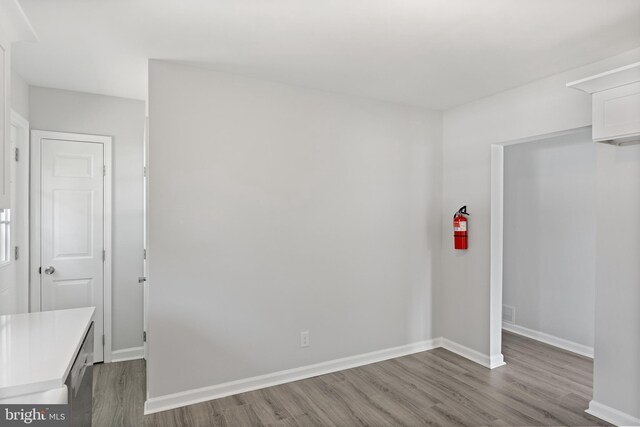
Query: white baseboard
490	362
496	361
571	346
611	415
189	397
131	353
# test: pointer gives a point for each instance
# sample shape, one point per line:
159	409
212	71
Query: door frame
145	228
497	237
36	146
22	208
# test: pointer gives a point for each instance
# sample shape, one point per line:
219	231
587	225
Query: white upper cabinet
14	27
616	113
615	97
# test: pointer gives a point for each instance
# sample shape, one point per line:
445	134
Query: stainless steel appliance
80	384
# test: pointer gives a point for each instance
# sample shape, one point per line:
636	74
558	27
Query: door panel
72	228
73	222
71	293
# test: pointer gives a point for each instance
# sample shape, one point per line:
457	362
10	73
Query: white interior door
14	224
20	195
72	225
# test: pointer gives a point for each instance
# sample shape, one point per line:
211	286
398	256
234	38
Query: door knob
49	270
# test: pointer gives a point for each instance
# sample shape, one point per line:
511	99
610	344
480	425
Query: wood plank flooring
119	393
540	385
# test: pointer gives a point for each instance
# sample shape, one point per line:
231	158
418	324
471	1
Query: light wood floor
540	385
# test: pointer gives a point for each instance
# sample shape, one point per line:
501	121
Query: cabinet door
4	127
616	112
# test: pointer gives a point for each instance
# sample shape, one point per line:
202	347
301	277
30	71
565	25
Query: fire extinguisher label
461	227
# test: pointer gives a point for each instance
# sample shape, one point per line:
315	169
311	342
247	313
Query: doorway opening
539	229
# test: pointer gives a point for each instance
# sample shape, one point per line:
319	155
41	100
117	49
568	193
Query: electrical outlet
304	339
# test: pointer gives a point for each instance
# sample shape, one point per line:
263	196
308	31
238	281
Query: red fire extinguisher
460	229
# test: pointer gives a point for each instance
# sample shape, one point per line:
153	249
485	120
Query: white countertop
37	350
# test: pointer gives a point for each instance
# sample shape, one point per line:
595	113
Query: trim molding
571	346
490	362
496	361
130	353
611	415
15	23
189	397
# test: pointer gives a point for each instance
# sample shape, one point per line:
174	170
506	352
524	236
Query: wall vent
508	314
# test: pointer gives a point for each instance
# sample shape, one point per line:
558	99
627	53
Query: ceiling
429	53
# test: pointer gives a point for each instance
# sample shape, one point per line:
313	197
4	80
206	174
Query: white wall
550	235
276	209
538	108
19	95
124	120
618	280
19	101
